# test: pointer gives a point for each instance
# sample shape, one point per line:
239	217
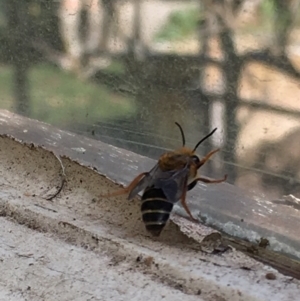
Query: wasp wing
146	181
172	183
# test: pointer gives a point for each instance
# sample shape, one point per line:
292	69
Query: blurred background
124	71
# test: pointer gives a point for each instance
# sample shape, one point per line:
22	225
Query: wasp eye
196	159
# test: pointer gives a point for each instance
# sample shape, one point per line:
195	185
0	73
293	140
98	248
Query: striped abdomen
156	210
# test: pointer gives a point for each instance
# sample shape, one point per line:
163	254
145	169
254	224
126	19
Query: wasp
175	173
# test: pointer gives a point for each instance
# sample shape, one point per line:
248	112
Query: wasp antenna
207	136
182	133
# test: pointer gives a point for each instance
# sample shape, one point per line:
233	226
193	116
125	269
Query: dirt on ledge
112	229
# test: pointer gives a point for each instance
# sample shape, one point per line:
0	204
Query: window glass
124	71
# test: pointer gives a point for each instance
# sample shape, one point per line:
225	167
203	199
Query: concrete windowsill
81	247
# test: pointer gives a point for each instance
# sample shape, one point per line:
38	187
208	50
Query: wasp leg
207	157
208	181
126	189
184	205
205	180
191	185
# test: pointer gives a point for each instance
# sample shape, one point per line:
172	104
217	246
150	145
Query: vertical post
18	29
232	70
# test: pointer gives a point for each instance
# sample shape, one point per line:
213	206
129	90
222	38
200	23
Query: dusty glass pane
124	71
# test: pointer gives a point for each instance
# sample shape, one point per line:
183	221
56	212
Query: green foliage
61	99
277	12
267	9
116	68
180	24
273	16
